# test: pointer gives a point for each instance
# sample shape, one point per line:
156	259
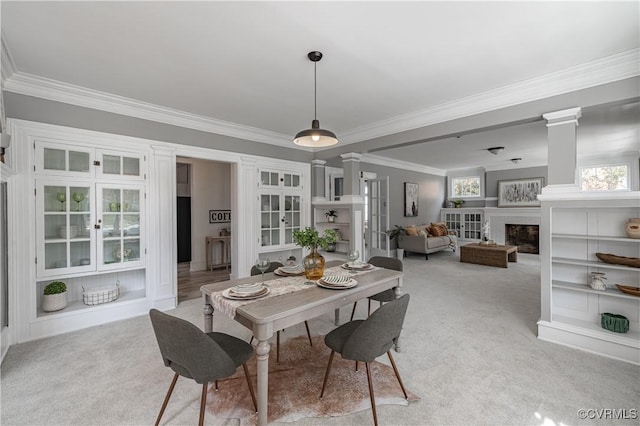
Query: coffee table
494	255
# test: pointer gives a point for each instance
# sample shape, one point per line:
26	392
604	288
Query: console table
225	252
494	255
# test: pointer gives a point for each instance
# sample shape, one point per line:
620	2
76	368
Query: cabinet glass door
67	160
269	220
118	164
120	243
291	217
65	228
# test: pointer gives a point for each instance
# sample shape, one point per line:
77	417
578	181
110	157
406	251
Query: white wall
210	190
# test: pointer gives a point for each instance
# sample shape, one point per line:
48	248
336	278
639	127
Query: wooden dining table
264	316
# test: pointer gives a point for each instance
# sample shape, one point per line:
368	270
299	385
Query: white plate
247	288
350	284
291	269
233	296
336	279
287	274
356	266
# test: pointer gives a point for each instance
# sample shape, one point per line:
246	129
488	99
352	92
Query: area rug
295	384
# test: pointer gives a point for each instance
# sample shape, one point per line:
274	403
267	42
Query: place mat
278	286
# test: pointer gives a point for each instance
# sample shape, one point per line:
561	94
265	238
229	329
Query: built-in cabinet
280	209
466	223
571	309
341	223
90	210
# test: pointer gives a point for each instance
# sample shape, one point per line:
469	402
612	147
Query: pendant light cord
315	91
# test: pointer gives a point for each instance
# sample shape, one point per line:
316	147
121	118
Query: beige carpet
295	384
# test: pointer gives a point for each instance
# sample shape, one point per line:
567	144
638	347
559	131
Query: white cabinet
90	210
280	209
571	309
466	223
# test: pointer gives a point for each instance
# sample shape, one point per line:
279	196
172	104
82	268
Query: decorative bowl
614	322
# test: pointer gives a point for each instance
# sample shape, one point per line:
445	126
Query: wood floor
189	283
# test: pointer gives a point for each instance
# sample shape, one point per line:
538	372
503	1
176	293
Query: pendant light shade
315	137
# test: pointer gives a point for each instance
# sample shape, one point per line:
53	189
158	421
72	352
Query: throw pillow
422	232
429	231
411	231
439	229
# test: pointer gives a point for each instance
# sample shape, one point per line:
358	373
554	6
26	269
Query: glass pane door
291	217
118	164
121	234
66	228
67	160
269	220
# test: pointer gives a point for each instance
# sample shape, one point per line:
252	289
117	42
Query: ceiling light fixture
516	160
496	150
315	137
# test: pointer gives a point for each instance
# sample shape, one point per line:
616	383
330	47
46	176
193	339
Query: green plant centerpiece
331	215
457	203
54	296
395	232
310	239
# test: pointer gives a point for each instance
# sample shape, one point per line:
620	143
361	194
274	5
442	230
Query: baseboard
567	335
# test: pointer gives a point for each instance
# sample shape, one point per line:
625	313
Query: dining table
291	300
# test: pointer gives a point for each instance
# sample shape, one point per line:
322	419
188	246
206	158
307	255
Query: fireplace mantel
499	217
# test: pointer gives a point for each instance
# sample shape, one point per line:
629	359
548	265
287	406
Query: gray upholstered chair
272	267
365	340
383	296
203	357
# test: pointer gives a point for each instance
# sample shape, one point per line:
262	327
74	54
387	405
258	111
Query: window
605	178
465	187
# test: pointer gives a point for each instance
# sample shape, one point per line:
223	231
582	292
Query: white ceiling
245	63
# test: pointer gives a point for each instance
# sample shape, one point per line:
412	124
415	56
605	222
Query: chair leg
306	324
369	308
278	347
326	374
251	340
253	394
353	311
203	403
166	398
216	386
395	370
371	395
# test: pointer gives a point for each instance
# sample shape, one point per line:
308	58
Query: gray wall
44	111
431	194
491	179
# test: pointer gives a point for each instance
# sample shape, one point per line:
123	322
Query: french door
378	217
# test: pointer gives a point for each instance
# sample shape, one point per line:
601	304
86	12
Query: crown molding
45	88
398	164
8	66
521	165
601	71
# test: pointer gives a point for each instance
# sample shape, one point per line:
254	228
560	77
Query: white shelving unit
342	222
466	223
576	230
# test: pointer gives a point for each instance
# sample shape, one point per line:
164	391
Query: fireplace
526	237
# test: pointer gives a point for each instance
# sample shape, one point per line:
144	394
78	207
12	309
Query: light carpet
295	384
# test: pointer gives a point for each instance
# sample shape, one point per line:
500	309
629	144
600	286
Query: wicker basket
100	295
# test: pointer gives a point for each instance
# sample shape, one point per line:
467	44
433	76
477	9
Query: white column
317	180
162	275
562	151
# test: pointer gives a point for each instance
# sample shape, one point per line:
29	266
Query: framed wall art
410	199
520	192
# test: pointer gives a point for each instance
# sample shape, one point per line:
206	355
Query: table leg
208	317
262	361
398	292
337	317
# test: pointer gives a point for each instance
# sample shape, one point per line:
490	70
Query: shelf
592	264
593	237
78	305
333	223
631	338
610	291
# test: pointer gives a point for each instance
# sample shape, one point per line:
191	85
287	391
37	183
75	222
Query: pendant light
315	137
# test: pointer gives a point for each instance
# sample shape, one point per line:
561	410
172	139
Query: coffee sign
219	216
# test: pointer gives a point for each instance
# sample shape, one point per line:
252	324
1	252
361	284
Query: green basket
614	322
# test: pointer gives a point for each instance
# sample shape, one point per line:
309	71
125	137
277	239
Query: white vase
400	253
54	302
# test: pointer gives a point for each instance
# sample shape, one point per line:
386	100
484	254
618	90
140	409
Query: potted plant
55	296
393	234
457	203
309	238
331	216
